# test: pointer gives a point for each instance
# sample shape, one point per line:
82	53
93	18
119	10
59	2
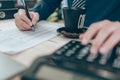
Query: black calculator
73	61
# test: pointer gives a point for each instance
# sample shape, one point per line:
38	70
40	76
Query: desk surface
28	56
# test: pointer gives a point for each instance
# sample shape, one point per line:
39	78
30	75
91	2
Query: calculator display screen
52	73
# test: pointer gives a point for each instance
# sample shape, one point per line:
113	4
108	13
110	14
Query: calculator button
69	45
69	53
83	52
91	57
116	63
118	50
74	49
73	42
65	47
58	52
77	46
104	58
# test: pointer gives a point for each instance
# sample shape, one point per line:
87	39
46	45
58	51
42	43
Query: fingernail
103	50
34	23
80	37
30	24
93	51
84	41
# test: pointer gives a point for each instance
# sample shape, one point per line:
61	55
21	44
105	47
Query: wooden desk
28	56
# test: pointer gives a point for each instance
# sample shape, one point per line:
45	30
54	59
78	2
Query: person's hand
105	35
23	22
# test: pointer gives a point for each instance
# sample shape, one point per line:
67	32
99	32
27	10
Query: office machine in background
7	9
7	4
73	61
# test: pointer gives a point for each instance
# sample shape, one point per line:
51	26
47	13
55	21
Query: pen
27	13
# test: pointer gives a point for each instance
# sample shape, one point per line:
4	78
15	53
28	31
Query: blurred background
9	7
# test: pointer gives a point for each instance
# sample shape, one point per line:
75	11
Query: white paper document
13	40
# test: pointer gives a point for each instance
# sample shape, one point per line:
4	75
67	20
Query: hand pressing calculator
73	61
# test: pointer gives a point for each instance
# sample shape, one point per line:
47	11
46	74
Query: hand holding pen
27	13
24	20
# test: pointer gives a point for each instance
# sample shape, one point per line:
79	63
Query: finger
90	33
35	17
110	42
20	28
22	25
103	34
25	26
93	30
15	15
98	41
22	16
81	36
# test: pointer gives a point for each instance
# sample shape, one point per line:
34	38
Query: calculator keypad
74	49
75	52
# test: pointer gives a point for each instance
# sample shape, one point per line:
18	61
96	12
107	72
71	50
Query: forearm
46	7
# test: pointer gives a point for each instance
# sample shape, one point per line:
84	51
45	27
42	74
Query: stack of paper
13	40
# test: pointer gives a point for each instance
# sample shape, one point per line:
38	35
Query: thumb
35	17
